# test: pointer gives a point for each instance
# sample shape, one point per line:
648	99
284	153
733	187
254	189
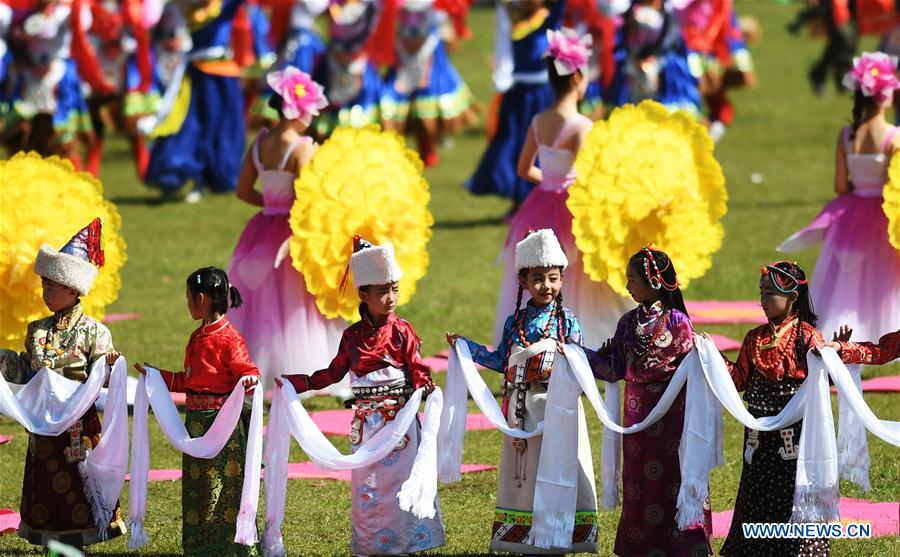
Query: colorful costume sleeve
174	380
573	329
496	359
741	368
83	52
335	371
554	19
239	361
14	366
609	364
887	350
102	345
418	371
230	8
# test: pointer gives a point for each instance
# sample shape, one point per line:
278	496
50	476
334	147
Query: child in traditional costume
540	263
553	139
424	92
215	361
857	276
54	504
527	93
200	133
47	109
279	318
352	83
652	60
770	368
301	47
649	344
381	353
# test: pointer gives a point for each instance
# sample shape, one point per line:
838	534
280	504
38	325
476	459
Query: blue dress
445	97
208	148
496	172
677	86
363	94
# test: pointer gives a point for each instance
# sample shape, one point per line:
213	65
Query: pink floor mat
886	384
9	521
884	517
296	471
714	312
114	317
337	422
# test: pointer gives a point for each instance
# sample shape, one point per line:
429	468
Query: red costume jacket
887	350
366	347
215	359
773	360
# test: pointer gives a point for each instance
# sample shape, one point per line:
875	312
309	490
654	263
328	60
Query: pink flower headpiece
302	98
569	50
875	74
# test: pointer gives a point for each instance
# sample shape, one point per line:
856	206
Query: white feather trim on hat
540	249
65	269
375	265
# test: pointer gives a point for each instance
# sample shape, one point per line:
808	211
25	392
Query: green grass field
781	132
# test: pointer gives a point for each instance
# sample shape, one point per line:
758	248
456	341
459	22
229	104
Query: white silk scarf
152	392
49	404
288	417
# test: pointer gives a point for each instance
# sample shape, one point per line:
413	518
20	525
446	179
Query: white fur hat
76	264
540	249
373	264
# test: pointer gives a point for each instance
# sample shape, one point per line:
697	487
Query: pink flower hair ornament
875	74
302	98
569	50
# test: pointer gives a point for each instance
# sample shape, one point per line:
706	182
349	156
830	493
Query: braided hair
213	282
658	271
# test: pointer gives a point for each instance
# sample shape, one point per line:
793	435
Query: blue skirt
677	85
496	172
445	97
209	147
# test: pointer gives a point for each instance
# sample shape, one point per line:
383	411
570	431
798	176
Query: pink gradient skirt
284	330
857	276
596	306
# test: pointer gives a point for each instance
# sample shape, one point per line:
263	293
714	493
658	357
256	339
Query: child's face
56	296
637	285
198	305
380	299
775	304
543	283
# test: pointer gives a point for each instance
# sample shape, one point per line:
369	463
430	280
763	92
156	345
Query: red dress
887	350
215	359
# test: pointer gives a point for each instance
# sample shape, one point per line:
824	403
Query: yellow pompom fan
45	201
647	175
361	181
892	202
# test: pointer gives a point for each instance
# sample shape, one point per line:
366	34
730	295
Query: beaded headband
783	280
655	278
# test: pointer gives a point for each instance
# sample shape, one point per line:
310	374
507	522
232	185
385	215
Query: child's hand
111	358
428	388
842	335
560	347
278	382
705	335
140	368
249	384
452	338
607	346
